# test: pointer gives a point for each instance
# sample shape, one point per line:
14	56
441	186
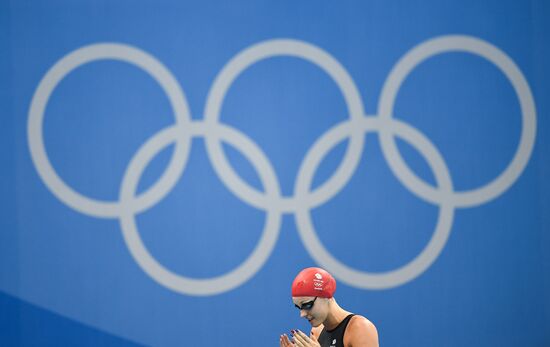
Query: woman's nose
303	313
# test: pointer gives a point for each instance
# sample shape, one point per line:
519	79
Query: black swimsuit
334	337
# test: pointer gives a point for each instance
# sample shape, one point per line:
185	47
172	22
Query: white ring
77	58
475	46
149	264
364	279
251	56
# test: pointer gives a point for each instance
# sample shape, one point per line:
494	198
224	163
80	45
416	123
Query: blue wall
168	167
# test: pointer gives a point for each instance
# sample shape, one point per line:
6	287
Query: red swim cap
314	281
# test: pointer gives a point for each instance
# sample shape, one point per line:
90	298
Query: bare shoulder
361	332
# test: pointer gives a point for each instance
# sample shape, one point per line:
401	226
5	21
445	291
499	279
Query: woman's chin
314	323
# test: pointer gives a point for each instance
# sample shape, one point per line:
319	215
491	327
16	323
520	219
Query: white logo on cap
318	276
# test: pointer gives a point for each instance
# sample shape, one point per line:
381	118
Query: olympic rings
270	199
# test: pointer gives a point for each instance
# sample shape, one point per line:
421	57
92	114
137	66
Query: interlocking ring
271	199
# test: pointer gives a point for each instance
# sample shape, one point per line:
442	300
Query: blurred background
168	167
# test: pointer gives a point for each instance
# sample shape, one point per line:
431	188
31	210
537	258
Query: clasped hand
299	339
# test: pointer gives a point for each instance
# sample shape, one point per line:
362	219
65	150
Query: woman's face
312	308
